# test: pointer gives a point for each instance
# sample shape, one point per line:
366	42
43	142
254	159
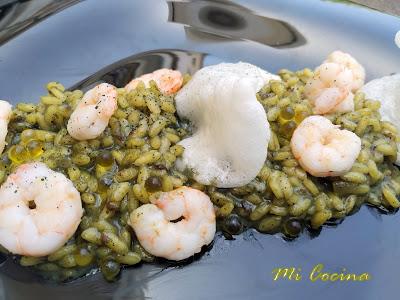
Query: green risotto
132	162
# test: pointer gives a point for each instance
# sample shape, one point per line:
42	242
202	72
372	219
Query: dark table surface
387	6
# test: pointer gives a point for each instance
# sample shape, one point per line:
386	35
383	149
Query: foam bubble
229	146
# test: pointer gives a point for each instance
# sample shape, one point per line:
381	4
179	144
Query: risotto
133	160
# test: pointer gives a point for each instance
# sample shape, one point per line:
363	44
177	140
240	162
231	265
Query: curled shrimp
168	81
94	110
334	81
5	114
330	89
39	210
161	237
346	60
322	149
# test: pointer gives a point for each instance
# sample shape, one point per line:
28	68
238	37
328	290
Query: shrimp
334	82
39	210
91	116
175	240
5	114
168	81
350	63
329	88
322	149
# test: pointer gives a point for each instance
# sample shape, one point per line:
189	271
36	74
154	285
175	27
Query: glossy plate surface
126	38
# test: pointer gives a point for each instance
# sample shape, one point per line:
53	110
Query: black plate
116	37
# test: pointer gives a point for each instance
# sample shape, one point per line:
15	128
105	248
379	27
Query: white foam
387	91
229	146
397	39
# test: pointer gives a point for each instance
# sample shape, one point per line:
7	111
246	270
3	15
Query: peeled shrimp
39	210
330	89
168	81
334	81
93	112
161	237
346	60
322	149
5	113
